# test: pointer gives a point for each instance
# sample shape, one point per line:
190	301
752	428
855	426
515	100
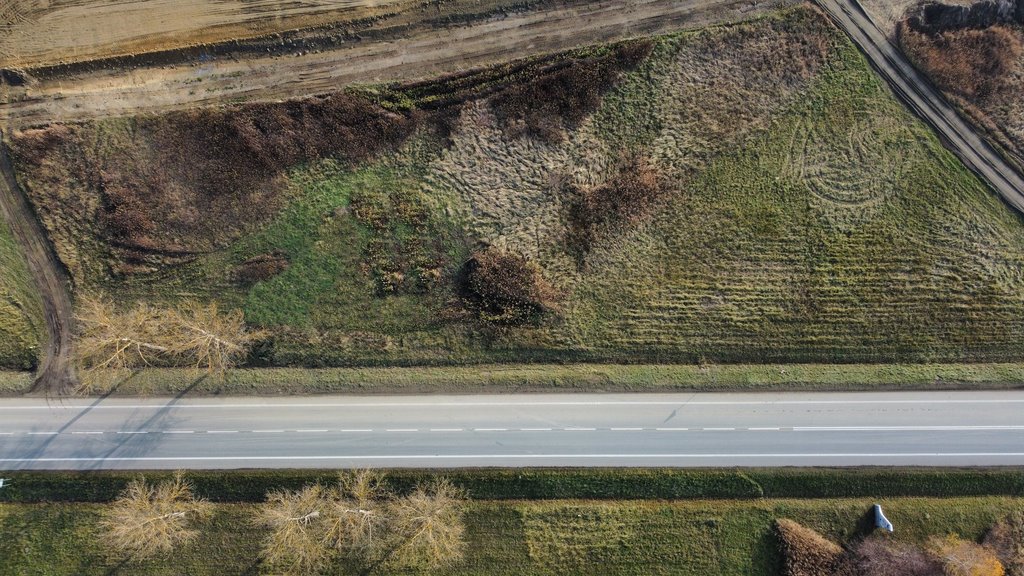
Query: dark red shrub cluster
506	289
260	268
879	557
562	95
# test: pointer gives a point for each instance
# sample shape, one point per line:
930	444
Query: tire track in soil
55	375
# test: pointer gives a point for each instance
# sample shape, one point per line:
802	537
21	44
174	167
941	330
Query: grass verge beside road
557	378
535	521
698	537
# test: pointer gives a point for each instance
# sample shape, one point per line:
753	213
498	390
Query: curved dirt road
918	93
55	374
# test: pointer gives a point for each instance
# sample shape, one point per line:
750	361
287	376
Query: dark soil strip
55	375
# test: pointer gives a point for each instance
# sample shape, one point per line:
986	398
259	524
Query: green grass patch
558	483
14	383
21	312
498	378
697	538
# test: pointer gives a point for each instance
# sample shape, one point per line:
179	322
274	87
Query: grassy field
21	322
804	217
698	537
501	378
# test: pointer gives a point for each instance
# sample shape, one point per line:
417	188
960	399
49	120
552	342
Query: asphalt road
919	94
834	429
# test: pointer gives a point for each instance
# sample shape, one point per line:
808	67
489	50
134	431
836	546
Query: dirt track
407	53
43	32
55	374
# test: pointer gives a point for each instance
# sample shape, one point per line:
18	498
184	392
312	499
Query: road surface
919	94
833	429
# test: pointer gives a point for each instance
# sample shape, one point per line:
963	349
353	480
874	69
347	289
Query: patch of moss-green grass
843	231
21	313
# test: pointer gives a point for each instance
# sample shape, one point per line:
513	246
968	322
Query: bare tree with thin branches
148	520
109	339
193	334
361	521
209	338
429	525
296	543
357	525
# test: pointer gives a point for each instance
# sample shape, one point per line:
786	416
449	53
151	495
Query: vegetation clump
1006	539
625	200
971	63
561	96
880	557
503	288
805	552
360	522
260	268
965	558
148	520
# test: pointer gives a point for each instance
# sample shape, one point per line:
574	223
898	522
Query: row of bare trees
193	334
358	520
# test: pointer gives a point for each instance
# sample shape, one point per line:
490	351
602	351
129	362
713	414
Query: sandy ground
409	53
49	31
887	13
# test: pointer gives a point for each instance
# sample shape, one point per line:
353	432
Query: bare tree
108	339
361	521
296	543
358	522
208	338
192	334
148	520
429	525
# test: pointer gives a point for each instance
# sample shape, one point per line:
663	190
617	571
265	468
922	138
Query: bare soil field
385	50
40	32
742	193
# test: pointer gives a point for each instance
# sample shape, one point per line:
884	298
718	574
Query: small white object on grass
880	520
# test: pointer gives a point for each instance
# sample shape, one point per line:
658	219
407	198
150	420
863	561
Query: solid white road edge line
680	402
514	457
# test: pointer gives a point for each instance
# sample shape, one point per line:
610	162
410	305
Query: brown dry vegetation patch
260	268
563	95
881	557
1006	539
970	63
625	200
805	552
161	189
